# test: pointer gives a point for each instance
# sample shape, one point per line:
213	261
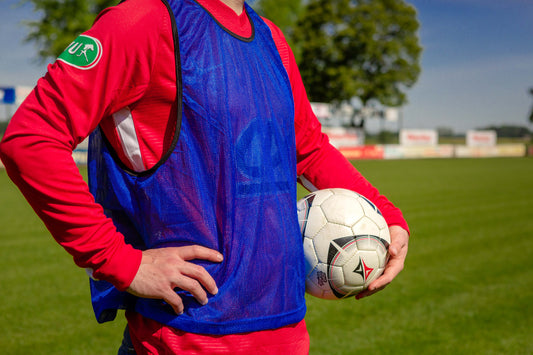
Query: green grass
467	286
45	302
468	282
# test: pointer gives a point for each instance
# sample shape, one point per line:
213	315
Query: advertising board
418	137
481	138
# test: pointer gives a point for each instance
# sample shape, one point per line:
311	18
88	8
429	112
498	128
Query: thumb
393	250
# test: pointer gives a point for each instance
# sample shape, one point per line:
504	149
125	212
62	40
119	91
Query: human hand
164	269
398	253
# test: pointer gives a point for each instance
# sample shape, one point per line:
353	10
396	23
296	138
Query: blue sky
477	64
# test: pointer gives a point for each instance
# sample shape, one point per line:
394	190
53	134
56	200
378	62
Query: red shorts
151	337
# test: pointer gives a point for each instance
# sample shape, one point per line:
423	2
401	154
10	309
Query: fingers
195	279
174	301
195	272
191	252
368	292
398	253
163	270
377	285
391	271
399	240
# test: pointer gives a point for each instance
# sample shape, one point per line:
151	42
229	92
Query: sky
477	62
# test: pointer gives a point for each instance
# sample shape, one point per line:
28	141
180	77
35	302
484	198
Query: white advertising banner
341	137
393	151
321	110
500	150
418	137
481	138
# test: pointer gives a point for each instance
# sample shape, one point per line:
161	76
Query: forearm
37	155
328	168
67	104
320	165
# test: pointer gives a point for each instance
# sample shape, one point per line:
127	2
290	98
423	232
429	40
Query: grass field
467	287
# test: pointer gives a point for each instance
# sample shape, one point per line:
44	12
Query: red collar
238	24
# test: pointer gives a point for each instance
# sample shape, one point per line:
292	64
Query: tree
509	131
531	113
365	49
61	22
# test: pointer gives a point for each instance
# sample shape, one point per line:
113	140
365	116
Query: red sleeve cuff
397	220
121	269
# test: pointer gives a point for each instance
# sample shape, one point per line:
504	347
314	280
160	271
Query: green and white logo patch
84	53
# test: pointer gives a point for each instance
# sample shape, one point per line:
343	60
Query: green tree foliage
365	49
61	22
531	112
510	131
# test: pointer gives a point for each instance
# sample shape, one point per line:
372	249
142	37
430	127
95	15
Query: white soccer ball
346	242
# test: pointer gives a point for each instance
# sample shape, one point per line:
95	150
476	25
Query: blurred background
445	65
392	81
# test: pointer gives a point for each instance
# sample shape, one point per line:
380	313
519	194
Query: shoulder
282	46
131	23
115	64
131	14
276	31
130	32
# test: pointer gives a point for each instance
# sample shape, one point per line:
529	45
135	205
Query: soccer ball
346	242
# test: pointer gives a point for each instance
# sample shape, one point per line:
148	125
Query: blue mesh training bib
228	183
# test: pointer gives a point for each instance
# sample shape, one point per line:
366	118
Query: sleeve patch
83	53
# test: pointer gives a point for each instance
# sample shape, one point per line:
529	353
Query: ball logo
83	53
336	249
321	278
363	270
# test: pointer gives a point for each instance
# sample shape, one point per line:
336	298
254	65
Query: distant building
10	99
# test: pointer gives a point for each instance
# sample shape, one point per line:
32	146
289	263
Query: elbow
7	151
12	152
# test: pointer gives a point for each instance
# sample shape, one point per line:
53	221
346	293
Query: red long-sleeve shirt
136	71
